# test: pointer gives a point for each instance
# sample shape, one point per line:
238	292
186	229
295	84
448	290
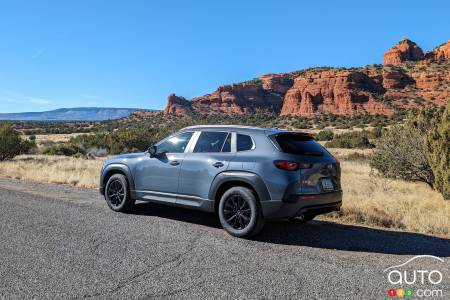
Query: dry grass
372	200
368	198
54	169
42	139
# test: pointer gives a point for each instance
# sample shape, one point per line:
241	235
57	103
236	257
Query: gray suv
244	174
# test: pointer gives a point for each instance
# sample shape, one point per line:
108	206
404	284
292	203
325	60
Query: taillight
290	165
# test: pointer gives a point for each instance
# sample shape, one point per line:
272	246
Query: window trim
253	143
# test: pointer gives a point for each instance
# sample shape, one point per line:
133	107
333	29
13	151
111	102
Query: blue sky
134	53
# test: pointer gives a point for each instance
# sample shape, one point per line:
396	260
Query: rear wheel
240	213
117	194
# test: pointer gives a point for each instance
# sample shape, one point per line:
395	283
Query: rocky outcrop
441	52
340	92
395	79
239	99
405	50
177	105
407	79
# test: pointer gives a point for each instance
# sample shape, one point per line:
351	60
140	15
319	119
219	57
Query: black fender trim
116	167
247	177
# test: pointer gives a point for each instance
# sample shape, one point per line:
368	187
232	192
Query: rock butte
407	79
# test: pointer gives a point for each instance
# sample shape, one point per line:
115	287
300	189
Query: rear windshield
298	144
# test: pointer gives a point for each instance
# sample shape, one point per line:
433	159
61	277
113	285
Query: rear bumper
102	190
316	204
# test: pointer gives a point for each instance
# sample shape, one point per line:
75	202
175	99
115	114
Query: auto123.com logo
417	282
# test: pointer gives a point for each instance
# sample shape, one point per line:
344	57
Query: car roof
241	128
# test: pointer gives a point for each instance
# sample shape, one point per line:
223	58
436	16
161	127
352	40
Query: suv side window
176	143
244	142
211	141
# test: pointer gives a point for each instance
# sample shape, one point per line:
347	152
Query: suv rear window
300	144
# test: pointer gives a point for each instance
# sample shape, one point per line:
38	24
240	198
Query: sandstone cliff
408	79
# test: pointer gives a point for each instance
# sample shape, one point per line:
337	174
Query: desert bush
438	145
353	139
67	149
401	153
324	135
11	144
416	150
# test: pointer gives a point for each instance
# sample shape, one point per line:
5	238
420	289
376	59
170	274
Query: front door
157	177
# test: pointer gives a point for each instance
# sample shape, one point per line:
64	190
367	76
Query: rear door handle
174	162
218	164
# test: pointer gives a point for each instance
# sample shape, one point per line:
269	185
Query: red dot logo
391	293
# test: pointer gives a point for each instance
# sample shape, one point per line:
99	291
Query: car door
158	177
211	155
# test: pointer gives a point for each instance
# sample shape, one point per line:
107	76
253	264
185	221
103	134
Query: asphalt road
63	242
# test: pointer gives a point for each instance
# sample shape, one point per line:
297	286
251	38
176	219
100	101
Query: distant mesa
71	114
408	78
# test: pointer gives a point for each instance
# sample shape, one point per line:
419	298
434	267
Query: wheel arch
226	180
112	169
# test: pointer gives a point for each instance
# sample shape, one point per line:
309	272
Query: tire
240	212
117	194
302	219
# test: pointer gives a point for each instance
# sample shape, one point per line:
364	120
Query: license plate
327	184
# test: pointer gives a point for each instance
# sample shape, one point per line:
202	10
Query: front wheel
240	213
117	194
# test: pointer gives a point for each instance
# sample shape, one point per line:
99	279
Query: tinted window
175	144
244	142
210	141
298	144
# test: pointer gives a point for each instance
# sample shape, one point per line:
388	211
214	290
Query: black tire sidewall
248	195
125	201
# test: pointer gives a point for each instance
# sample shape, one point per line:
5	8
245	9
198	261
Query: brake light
290	165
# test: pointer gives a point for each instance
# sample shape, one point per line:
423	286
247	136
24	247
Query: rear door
210	156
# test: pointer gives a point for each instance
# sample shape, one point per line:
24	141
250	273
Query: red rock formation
341	92
238	99
278	83
375	90
405	50
395	79
177	105
441	52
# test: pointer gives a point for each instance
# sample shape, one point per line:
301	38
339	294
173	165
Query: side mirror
152	151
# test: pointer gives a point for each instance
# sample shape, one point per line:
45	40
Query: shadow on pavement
318	234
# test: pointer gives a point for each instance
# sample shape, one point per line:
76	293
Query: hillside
71	114
409	78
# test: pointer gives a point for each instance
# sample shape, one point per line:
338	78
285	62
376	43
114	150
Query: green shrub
66	149
438	145
417	150
401	153
11	143
324	135
352	139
